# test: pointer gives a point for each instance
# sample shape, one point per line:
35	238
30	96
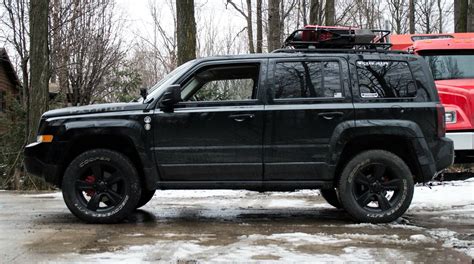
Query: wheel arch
401	137
124	136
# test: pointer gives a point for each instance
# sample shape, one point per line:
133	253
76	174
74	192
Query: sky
139	21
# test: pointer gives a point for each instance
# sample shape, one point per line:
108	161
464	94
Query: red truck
451	59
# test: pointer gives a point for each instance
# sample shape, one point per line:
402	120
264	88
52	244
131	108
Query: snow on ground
444	195
55	195
444	201
282	248
447	201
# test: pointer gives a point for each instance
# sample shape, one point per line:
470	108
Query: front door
309	99
215	133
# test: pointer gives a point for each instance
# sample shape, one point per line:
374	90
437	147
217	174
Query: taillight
441	123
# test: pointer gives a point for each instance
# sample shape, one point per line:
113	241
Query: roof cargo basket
322	37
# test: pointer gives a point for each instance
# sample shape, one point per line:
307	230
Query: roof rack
313	37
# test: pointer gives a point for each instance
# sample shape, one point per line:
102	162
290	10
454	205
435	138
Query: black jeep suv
361	125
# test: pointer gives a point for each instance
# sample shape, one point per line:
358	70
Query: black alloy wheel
101	186
376	186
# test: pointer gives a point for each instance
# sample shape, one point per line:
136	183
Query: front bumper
38	161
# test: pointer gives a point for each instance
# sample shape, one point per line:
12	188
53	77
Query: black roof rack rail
313	50
318	37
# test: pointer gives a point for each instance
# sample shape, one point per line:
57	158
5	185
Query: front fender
70	130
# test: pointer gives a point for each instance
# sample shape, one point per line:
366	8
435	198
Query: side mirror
171	96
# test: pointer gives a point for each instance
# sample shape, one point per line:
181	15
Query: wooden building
9	82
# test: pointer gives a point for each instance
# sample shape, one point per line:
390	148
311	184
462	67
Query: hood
96	108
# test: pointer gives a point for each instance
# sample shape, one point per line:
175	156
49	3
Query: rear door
309	98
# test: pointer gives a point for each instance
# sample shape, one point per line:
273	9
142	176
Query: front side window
222	83
317	79
385	79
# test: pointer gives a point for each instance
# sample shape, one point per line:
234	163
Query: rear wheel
101	186
331	196
376	186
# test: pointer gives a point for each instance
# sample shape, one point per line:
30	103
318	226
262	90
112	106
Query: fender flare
349	130
73	130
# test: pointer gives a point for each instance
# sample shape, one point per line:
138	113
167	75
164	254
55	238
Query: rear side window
385	79
303	79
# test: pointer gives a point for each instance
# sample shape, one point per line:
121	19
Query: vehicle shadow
150	216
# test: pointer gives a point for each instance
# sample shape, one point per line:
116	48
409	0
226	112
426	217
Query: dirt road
240	226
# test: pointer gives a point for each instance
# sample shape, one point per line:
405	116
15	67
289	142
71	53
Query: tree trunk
259	27
250	26
314	12
440	18
186	30
460	15
470	17
274	30
411	16
303	12
39	59
329	12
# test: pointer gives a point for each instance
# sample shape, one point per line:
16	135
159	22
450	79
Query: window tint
307	80
385	79
222	83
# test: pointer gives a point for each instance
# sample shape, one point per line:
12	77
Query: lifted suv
360	124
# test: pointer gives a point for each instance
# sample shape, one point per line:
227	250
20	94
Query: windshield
167	80
457	65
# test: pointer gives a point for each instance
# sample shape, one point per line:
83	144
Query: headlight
450	117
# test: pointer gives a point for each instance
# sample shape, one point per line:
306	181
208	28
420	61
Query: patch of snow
135	235
385	239
280	248
55	195
298	238
278	203
422	238
451	241
445	195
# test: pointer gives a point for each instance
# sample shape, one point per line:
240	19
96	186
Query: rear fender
350	130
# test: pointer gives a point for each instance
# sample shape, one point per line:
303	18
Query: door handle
241	117
330	115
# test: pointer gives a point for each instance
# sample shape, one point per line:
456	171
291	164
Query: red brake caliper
91	180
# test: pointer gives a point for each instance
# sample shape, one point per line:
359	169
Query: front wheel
376	186
101	186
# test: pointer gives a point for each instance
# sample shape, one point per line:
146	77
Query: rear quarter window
385	79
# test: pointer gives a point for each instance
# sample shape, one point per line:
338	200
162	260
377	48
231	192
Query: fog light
44	138
450	117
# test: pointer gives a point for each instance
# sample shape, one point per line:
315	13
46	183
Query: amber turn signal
44	138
